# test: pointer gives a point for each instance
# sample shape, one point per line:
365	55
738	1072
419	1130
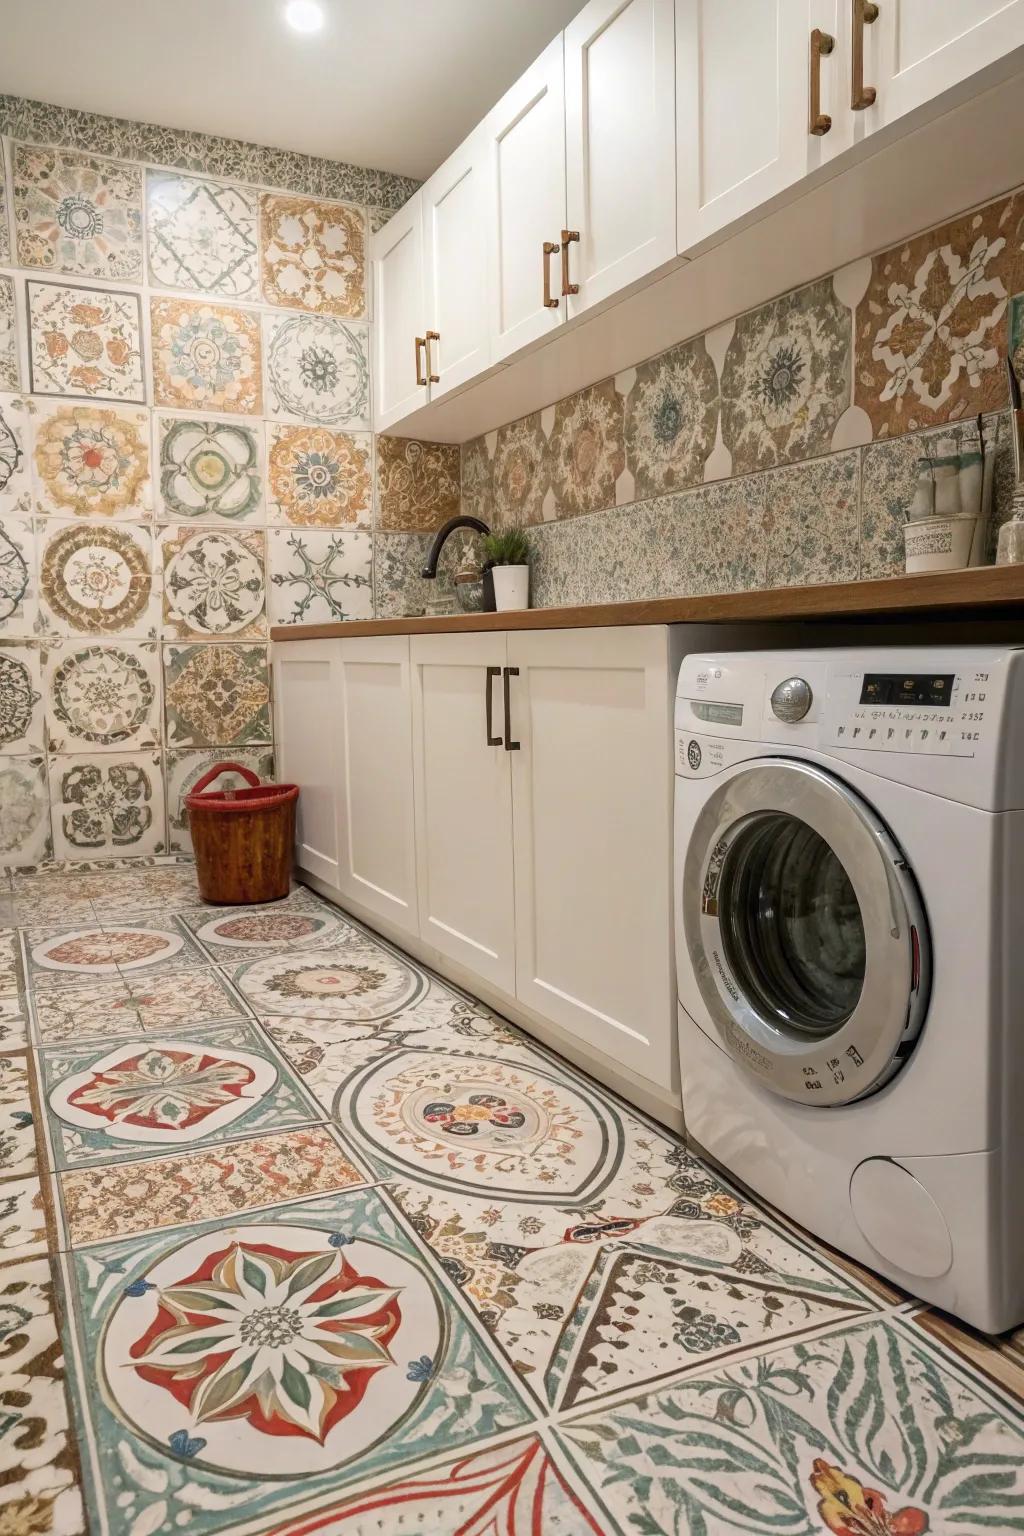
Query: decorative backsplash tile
77	214
21	699
318	478
520	473
18	587
111	805
319	575
213	583
318	370
91	460
5	234
9	371
671	419
201	235
15	473
216	695
206	356
417	484
586	452
96	578
314	255
210	470
102	698
85	342
812	521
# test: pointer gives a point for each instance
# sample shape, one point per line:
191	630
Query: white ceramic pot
939	543
511	587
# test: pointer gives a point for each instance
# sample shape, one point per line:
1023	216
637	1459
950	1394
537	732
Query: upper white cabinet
918	49
525	135
399	377
454	206
619	146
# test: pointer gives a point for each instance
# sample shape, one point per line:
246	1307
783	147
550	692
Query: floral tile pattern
418	484
210	470
319	478
18	602
319	575
586	452
213	584
314	255
92	461
671	419
95	579
17	1121
22	1220
85	342
520	473
77	214
9	370
5	236
109	804
102	697
24	811
205	356
318	370
201	236
477	478
812	522
21	699
15	476
1015	340
185	769
216	695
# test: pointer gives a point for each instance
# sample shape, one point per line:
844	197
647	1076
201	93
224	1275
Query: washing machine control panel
937	713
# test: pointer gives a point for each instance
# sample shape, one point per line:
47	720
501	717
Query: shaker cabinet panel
306	689
455	204
918	49
399	314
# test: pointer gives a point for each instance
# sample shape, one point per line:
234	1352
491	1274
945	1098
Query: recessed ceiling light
304	15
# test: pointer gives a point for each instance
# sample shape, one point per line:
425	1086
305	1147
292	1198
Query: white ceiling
391	84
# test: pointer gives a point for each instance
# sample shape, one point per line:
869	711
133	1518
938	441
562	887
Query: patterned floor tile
120	892
241	933
1001	1359
181	999
136	950
12	980
18	1156
68	1009
14	1023
22	1222
219	1181
355	982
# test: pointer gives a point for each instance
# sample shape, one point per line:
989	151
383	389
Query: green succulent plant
511	547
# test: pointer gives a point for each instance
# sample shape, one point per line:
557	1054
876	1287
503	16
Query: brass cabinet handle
421	377
821	43
861	95
568	236
549	250
432	377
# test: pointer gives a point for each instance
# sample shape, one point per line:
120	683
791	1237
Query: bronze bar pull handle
864	13
506	674
821	43
432	377
492	740
549	250
420	375
568	236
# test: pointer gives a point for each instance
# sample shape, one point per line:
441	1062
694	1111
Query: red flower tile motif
849	1509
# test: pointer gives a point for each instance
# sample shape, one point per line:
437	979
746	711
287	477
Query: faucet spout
429	571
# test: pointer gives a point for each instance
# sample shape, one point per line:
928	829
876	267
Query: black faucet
429	571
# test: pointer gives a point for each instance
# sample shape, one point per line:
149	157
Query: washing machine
849	889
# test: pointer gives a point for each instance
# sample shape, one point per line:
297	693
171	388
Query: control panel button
791	699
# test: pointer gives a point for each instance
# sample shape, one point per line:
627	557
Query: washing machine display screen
791	925
717	714
926	690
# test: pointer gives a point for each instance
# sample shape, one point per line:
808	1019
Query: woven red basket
244	839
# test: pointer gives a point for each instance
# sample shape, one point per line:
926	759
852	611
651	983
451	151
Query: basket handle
252	779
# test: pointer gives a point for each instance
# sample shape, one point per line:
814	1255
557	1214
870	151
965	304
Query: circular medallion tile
94	952
266	930
484	1126
102	694
96	578
272	1350
359	982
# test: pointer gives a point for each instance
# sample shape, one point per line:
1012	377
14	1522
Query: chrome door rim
865	1051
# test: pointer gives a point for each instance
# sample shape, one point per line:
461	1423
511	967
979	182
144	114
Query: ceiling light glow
304	15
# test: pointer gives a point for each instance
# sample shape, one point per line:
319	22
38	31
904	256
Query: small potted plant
508	555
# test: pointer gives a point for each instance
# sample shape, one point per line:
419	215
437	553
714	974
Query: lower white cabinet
306	684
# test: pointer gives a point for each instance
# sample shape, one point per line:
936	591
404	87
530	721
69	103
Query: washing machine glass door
806	932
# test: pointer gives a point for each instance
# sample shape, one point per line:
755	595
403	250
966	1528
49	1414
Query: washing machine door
806	933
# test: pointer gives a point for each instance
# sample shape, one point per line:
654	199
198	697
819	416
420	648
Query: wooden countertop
988	590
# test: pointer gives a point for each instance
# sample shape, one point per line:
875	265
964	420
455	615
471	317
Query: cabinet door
400	315
306	692
375	824
918	49
463	790
592	792
525	144
620	144
454	265
741	108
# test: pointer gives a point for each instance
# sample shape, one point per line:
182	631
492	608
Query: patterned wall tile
723	529
19	604
398	588
185	769
1015	341
786	378
812	521
108	805
85	342
520	473
21	699
418	484
586	451
92	460
24	811
10	372
216	695
318	370
15	459
102	698
76	214
205	356
931	328
377	218
201	236
5	230
671	419
313	255
318	575
210	470
213	583
317	478
95	579
477	475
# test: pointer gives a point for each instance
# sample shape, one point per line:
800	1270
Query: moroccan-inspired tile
15	461
710	539
812	521
356	981
1000	1357
5	235
10	372
21	699
205	356
671	419
1015	339
24	811
112	804
139	888
217	1182
18	1157
931	329
318	478
74	1010
213	583
77	214
406	1372
520	473
216	695
318	370
313	255
253	932
85	342
869	1426
586	451
156	1093
477	478
181	999
210	470
102	697
22	1222
786	378
135	948
92	461
14	1024
418	484
185	769
18	601
94	579
318	574
40	1479
201	235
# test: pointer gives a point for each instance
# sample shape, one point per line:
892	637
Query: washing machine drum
806	933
